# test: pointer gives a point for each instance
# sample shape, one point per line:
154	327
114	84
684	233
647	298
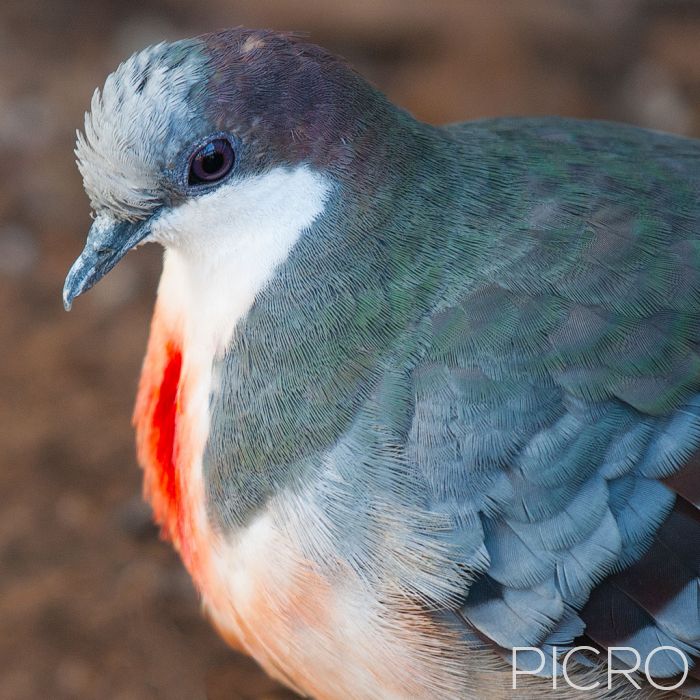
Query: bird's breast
260	590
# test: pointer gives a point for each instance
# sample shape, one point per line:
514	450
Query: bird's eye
211	162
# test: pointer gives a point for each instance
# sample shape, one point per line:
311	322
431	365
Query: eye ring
211	162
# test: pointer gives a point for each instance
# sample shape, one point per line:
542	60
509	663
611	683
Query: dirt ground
92	603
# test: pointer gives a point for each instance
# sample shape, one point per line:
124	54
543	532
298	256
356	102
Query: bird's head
190	142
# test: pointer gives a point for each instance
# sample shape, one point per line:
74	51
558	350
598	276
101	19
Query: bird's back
568	379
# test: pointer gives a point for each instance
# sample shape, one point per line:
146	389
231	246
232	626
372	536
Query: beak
107	243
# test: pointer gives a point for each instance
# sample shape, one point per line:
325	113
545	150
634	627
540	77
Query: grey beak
107	243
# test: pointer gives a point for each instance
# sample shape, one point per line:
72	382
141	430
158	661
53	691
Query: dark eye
211	162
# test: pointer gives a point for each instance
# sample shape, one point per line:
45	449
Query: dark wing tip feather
656	601
686	481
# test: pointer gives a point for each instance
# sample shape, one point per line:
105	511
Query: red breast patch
155	418
162	435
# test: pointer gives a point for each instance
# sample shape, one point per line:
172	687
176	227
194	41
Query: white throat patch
223	247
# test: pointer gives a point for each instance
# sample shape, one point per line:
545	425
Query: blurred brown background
92	604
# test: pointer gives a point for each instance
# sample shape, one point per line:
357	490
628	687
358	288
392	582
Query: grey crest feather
130	129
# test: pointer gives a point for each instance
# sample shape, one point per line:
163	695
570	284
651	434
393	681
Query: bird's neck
299	365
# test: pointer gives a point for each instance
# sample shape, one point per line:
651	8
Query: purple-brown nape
291	98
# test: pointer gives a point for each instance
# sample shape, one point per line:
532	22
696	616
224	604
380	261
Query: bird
420	405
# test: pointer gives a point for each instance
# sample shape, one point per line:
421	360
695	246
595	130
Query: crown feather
125	144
